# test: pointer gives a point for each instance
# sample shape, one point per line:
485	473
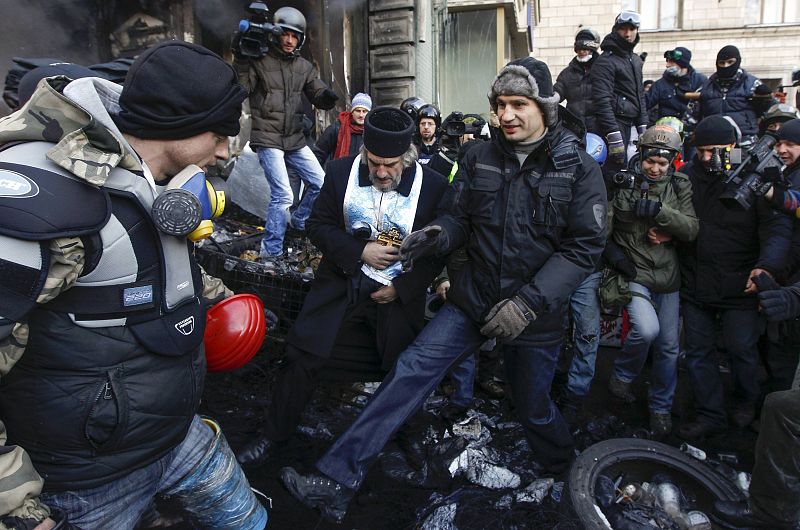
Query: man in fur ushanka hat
531	215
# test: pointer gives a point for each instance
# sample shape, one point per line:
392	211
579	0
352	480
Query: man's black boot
256	452
318	491
739	514
699	429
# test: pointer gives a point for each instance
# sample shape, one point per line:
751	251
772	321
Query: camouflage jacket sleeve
20	484
213	288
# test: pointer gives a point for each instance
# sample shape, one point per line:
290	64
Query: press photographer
276	80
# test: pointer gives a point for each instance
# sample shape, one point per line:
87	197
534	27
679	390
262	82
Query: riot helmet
675	123
291	19
411	106
587	39
776	116
429	111
660	140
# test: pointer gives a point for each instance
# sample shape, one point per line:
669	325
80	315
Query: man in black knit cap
717	269
103	306
533	201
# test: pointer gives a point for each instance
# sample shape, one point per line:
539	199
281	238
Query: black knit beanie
176	90
715	130
790	131
387	132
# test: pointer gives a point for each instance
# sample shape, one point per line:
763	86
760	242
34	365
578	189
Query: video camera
255	32
754	177
624	179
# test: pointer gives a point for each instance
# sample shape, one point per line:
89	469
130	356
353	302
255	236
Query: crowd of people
569	199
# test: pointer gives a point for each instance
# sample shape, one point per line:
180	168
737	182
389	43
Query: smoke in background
221	17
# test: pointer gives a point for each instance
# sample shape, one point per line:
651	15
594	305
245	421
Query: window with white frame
772	11
657	14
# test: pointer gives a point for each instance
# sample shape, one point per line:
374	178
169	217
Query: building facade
765	31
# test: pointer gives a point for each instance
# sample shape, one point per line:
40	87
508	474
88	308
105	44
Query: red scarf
343	140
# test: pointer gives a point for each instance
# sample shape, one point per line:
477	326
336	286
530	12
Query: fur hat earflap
531	78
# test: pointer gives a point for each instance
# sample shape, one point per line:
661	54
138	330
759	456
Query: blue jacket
731	99
667	92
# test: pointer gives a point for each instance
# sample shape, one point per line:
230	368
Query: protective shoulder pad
37	204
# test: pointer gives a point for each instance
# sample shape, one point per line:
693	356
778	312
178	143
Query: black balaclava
729	52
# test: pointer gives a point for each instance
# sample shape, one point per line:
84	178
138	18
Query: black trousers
775	485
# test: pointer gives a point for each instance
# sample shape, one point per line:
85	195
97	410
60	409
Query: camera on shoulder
255	32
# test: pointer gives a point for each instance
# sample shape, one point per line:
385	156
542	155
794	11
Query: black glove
418	244
779	188
646	209
780	304
508	318
616	257
326	100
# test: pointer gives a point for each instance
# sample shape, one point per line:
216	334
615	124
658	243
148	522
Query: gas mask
187	205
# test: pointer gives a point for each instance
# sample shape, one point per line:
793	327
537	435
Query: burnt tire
602	456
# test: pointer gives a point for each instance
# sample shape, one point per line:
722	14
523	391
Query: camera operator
276	81
733	246
458	131
775	117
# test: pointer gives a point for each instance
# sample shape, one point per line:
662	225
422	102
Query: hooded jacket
667	93
276	84
616	78
575	86
534	230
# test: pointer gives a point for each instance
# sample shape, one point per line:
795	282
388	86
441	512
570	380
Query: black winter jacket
731	243
575	86
792	174
534	231
666	93
616	78
276	83
325	308
731	99
325	147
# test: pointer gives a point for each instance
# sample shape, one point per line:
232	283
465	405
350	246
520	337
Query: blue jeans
274	162
445	340
740	331
654	321
120	504
463	376
585	306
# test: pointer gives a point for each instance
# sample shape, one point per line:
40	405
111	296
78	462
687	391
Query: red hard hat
235	329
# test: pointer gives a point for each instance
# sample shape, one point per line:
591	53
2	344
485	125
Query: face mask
673	71
188	204
584	59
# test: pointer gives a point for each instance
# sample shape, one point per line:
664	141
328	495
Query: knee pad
216	492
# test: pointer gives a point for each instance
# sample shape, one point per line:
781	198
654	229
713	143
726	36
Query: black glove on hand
327	99
780	304
779	188
645	208
507	319
418	244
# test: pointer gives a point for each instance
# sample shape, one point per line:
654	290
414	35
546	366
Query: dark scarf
343	140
